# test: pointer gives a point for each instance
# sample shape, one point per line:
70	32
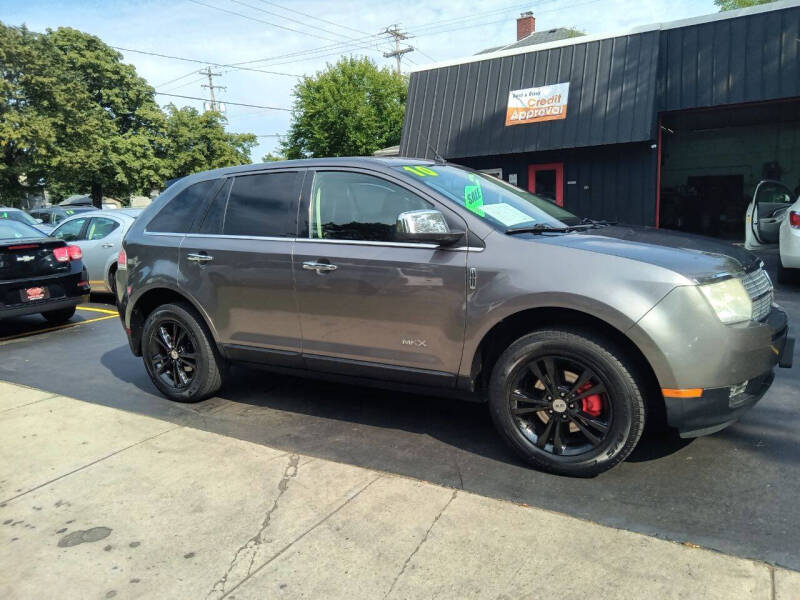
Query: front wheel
179	354
567	401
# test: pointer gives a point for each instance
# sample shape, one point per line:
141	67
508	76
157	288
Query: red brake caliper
592	405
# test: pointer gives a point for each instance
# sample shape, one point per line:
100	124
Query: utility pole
398	52
213	105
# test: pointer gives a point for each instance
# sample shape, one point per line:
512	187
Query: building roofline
720	16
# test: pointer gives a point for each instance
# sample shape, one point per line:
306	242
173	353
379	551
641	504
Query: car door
771	202
237	263
102	238
371	305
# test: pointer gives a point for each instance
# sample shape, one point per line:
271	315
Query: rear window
14	230
179	213
262	205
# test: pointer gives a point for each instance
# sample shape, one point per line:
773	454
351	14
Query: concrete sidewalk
101	503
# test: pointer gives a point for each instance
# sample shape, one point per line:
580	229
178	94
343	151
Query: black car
39	274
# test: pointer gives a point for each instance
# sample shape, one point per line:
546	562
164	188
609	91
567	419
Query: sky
280	40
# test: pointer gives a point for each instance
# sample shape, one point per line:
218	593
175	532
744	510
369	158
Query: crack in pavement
301	536
421	542
250	547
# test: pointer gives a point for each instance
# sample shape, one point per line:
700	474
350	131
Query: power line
231	103
205	62
251	18
274	14
316	17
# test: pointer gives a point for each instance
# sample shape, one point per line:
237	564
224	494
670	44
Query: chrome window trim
316	241
367	243
227	236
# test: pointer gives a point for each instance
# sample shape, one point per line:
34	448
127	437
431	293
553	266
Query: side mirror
426	226
39	221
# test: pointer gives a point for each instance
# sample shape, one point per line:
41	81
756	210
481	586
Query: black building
670	125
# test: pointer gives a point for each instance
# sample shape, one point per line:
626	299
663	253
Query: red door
547	181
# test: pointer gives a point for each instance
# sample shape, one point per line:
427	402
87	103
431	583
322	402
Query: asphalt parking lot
735	491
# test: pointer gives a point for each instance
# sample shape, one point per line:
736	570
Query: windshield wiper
542	228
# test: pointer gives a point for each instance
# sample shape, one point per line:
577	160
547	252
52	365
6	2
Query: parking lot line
106	311
57	327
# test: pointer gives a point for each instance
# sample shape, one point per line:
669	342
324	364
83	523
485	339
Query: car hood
693	256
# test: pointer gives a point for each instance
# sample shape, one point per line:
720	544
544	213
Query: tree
198	141
350	108
270	157
74	118
733	4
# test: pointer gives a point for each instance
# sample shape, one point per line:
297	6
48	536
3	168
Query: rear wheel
567	401
59	316
179	354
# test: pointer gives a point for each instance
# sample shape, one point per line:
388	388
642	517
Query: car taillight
61	254
122	260
75	252
794	219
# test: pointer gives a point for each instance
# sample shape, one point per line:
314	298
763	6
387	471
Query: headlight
729	300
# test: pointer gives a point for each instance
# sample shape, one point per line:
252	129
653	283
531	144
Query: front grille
759	288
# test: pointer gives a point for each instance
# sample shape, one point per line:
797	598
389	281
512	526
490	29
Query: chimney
526	25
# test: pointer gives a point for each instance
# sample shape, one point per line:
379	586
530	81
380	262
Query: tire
611	393
198	359
59	316
112	281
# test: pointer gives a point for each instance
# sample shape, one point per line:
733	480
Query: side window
100	227
179	213
70	231
354	206
262	205
215	215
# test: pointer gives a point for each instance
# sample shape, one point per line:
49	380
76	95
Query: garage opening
712	160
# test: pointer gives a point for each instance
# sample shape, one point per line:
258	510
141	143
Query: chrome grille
759	288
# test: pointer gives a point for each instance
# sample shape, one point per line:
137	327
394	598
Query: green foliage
198	141
74	118
270	157
734	4
351	108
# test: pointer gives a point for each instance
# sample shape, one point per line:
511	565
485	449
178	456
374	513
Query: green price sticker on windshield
473	196
473	199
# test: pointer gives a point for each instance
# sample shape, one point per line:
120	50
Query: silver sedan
99	235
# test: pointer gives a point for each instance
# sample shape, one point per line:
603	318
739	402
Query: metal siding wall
745	59
611	99
621	179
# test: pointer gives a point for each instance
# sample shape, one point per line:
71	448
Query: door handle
199	258
108	245
319	267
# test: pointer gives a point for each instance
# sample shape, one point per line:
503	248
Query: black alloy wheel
173	355
568	401
561	405
180	354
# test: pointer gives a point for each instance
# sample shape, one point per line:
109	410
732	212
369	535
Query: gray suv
427	276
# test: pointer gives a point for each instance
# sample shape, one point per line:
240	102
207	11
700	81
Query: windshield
14	230
500	204
18	215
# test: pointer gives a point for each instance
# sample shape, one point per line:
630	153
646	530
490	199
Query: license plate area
34	293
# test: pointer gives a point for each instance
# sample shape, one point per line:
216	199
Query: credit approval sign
533	105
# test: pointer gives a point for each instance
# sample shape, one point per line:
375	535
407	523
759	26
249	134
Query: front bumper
715	409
